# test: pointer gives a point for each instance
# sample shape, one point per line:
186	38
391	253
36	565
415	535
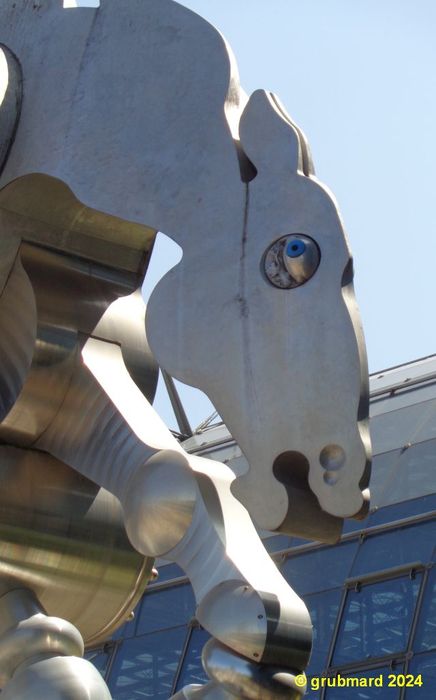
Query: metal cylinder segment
63	538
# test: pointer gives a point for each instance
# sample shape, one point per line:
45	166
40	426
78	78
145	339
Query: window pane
375	675
417	394
100	658
277	543
323	608
406	509
192	669
406	474
310	693
128	628
166	572
424	665
376	620
352	525
169	607
394	429
383	465
320	569
388	514
402	546
145	667
426	633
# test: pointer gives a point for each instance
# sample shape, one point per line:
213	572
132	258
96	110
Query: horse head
263	318
151	126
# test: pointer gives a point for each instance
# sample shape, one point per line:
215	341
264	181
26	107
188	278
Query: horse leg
181	507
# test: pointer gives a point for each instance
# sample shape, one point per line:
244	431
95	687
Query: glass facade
372	597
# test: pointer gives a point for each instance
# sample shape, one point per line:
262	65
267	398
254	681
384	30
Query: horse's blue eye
295	248
291	260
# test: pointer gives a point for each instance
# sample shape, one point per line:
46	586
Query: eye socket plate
291	261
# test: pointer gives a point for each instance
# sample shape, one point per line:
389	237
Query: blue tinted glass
277	543
128	628
192	669
169	607
145	667
406	509
402	546
383	466
351	525
100	658
323	608
365	685
388	514
168	572
422	668
298	541
413	423
310	693
376	620
425	638
122	631
320	569
409	475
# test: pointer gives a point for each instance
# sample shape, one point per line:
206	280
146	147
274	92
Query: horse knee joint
159	503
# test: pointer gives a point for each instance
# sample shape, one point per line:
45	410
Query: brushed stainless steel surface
38	654
124	324
10	100
60	332
246	679
149	166
9	245
31	636
43	210
159	501
17	334
317	340
63	533
96	168
115	442
57	678
64	538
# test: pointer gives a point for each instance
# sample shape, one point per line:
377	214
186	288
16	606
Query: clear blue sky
359	76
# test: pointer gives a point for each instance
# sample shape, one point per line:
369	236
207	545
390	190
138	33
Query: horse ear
268	137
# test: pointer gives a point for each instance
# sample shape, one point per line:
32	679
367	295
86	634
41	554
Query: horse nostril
292	468
332	458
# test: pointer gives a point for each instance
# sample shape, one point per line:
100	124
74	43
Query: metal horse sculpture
116	123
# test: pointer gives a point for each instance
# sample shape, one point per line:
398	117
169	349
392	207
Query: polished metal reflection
79	153
61	329
249	680
64	537
139	169
17	335
38	654
160	502
10	100
26	632
57	678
